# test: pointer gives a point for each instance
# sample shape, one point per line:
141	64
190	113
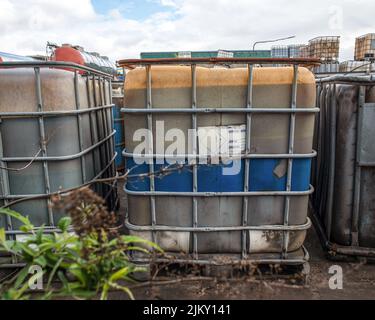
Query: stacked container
365	47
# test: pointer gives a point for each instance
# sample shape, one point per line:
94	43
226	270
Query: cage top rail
53	64
366	80
132	63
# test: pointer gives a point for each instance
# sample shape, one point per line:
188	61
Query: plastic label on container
184	54
221	141
225	54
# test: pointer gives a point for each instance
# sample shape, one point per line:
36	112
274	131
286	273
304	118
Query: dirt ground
358	282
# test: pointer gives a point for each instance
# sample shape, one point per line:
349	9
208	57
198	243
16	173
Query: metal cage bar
249	105
220	110
151	147
195	152
292	126
79	123
43	142
358	170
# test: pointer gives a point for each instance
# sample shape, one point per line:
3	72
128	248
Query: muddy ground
358	282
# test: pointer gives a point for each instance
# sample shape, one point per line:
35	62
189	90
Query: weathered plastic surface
20	137
341	231
118	119
217	88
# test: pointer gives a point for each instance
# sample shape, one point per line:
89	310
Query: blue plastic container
119	137
212	179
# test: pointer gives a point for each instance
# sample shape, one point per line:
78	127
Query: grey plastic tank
56	133
344	170
240	214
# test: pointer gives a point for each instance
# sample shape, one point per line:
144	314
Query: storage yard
223	174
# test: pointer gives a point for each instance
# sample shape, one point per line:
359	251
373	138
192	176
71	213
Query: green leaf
120	274
41	261
2	235
26	228
53	272
18	216
104	295
64	281
135	239
82	294
39	235
76	270
27	249
64	223
22	276
125	289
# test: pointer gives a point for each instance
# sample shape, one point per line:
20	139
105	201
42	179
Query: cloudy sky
124	28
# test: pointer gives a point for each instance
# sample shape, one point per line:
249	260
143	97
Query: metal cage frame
249	110
106	158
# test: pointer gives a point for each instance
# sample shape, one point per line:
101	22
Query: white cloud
26	25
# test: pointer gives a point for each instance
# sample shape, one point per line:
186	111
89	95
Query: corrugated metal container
365	47
357	66
296	50
57	126
118	118
344	171
8	57
331	67
206	54
201	210
279	52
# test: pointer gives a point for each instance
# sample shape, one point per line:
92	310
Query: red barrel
78	55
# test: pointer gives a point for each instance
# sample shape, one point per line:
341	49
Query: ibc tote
258	212
56	125
344	170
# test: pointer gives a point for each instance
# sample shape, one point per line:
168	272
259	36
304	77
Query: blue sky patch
130	9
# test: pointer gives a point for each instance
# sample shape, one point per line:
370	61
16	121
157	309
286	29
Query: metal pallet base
338	252
262	266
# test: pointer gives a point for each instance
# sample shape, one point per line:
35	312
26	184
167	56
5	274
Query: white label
184	54
221	140
225	54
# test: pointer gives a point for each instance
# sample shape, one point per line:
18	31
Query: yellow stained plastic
180	77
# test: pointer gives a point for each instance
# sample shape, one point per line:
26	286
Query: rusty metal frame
132	63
